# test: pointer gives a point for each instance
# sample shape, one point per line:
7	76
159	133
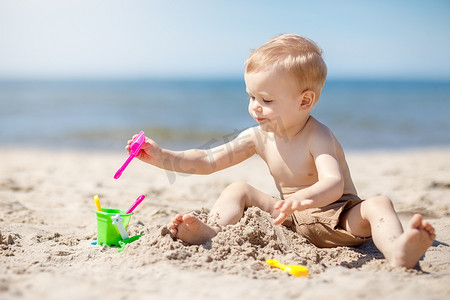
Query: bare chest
290	165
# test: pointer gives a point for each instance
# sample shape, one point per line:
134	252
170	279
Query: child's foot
191	230
413	243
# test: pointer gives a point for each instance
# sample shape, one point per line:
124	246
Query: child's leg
228	209
377	217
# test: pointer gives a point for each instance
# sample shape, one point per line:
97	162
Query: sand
48	224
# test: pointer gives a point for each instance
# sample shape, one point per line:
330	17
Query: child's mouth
260	120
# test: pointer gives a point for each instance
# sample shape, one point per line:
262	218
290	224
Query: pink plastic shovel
135	147
136	203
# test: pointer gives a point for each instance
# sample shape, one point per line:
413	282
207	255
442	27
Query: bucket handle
117	221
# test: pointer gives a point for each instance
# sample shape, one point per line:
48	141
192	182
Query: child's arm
199	161
330	184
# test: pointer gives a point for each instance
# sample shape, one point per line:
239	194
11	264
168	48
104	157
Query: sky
132	39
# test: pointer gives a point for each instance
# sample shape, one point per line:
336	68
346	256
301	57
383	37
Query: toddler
284	78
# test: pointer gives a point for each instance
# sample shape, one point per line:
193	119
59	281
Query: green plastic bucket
107	232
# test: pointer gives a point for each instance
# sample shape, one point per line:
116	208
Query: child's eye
267	100
251	97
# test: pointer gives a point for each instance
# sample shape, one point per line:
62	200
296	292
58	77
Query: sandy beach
48	224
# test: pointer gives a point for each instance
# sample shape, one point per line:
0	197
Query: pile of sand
243	249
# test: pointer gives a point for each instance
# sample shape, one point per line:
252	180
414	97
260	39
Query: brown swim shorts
321	225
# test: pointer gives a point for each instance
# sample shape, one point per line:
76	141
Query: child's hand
287	207
149	151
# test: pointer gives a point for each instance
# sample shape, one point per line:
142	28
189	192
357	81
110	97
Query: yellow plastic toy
297	271
97	203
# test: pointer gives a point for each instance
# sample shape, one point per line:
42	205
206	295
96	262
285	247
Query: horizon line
212	79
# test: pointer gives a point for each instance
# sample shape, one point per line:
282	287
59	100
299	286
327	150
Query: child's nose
256	106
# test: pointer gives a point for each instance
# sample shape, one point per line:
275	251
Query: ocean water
102	115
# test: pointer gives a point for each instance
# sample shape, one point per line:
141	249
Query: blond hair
299	56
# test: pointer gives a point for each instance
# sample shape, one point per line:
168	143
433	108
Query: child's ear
307	100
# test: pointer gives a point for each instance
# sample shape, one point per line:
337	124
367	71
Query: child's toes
177	220
428	227
173	231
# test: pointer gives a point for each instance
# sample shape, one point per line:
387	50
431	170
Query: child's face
275	100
